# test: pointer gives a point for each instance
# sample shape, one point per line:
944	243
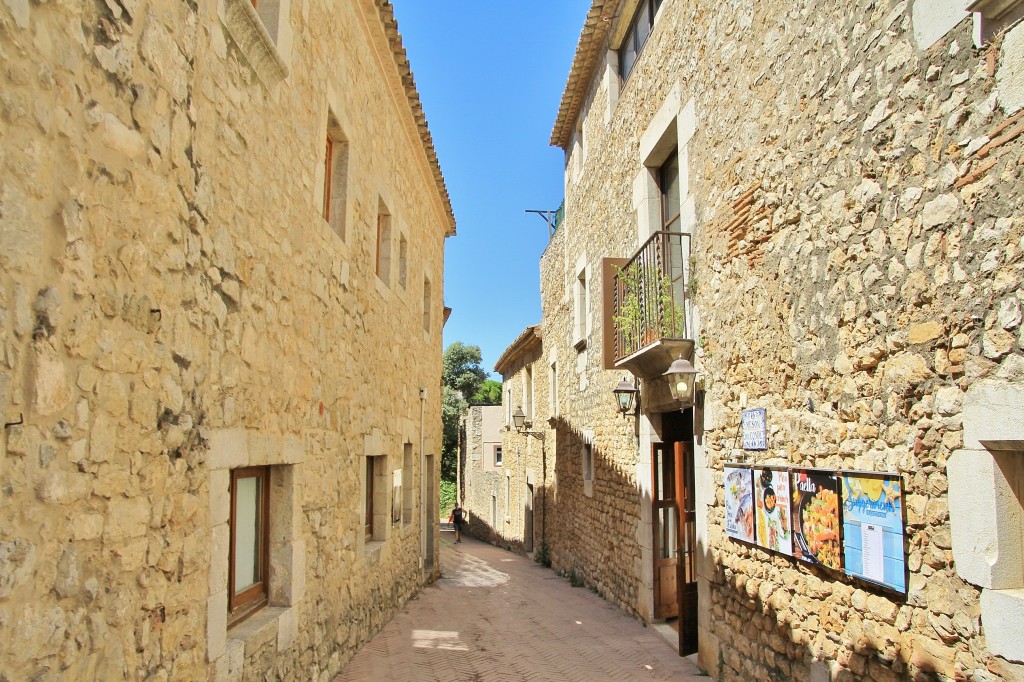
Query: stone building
505	469
214	219
818	206
482	477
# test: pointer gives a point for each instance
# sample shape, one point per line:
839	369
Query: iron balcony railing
650	293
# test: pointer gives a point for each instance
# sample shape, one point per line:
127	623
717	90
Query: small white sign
873	551
755	429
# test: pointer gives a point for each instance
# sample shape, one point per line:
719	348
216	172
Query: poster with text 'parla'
873	528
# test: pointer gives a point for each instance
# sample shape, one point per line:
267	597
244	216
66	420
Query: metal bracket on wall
21	420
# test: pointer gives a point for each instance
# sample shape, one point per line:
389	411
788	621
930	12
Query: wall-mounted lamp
680	377
627	396
523	425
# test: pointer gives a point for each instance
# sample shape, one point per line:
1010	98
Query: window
494	510
668	188
587	452
383	264
426	304
636	35
508	406
553	390
335	177
497	455
528	393
408	492
368	511
248	563
403	248
580	310
508	496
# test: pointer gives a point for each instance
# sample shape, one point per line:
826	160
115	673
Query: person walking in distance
458	519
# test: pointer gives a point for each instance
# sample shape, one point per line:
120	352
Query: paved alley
495	615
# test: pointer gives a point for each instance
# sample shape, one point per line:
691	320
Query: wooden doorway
528	520
665	513
674	522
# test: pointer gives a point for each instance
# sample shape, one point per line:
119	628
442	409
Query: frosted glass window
247	530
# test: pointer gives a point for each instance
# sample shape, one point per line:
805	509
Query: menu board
816	527
873	528
755	429
739	503
772	513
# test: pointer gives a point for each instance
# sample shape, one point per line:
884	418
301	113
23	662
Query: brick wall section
878	275
168	283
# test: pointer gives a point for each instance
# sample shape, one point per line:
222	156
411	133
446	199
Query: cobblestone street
495	615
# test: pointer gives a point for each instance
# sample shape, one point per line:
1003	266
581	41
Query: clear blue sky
491	76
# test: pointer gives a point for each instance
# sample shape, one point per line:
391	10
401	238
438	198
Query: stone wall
856	262
174	305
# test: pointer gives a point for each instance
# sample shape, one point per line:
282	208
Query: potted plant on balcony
647	308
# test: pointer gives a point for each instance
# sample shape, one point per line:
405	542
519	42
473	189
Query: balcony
648	298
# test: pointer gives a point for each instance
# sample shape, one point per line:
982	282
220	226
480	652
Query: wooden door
665	512
686	567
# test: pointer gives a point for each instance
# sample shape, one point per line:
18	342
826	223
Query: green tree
463	371
462	375
489	393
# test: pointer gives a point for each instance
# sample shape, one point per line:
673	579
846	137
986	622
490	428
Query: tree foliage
463	371
463	376
489	393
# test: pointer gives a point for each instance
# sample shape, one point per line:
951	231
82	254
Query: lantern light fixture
627	396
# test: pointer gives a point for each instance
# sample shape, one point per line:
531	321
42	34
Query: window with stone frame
588	462
262	32
553	390
497	455
528	392
383	251
640	27
427	303
376	508
580	308
408	489
335	188
668	188
403	249
249	549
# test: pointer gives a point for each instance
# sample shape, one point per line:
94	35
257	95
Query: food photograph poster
772	513
873	528
816	517
739	503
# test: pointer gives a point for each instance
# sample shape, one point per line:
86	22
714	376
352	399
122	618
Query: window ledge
273	625
371	552
250	35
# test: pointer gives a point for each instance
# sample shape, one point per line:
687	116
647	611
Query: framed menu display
771	509
816	523
739	503
873	528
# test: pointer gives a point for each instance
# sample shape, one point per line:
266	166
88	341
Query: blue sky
491	76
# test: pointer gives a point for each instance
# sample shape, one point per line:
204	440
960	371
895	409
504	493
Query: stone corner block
294	451
986	519
220	496
229	449
991	414
287	629
1002	612
216	625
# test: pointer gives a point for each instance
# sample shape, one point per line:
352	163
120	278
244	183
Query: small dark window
497	455
368	521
